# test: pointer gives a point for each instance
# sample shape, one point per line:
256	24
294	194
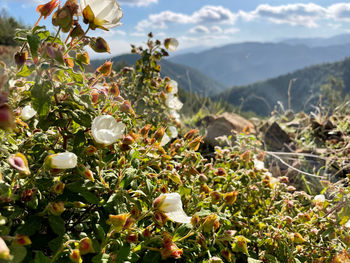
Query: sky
202	24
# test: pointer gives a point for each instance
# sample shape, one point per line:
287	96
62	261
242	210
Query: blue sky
207	23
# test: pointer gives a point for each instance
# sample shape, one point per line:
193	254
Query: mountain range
245	63
262	97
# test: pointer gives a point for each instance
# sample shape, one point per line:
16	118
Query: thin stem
93	83
37	22
100	167
76	42
59	30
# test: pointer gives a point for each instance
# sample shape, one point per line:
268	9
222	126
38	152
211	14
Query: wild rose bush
85	178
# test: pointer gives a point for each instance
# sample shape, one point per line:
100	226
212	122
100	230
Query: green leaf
18	253
102	258
26	71
41	258
57	225
123	253
31	226
34	43
78	188
56	243
79	141
41	98
151	257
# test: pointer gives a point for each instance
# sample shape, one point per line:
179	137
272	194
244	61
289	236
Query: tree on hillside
8	25
332	92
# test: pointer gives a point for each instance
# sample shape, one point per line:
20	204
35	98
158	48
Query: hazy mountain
261	97
189	79
245	63
343	39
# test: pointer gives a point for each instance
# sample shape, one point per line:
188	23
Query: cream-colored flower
171	205
173	134
4	250
319	198
172	84
102	14
27	113
66	160
171	44
106	130
173	102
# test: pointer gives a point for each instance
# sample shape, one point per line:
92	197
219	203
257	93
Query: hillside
342	39
261	97
245	63
188	78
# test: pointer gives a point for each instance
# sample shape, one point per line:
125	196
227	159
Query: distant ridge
261	97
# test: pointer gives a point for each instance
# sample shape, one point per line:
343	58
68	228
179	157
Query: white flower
106	130
66	160
171	44
347	224
106	13
4	250
173	102
259	164
320	198
27	113
171	205
173	86
173	134
175	115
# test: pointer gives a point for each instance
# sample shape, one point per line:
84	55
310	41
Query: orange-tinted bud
129	223
158	201
114	90
147	233
78	32
56	209
63	18
118	221
230	198
128	140
170	249
245	156
132	238
297	238
220	172
99	45
190	135
194	144
21	58
158	135
68	61
160	218
205	188
85	246
144	131
195	220
46	9
215	197
58	188
21	240
226	253
90	150
126	107
106	68
341	258
75	256
210	223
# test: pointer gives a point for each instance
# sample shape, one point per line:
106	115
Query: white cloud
138	2
293	14
200	30
340	11
213	30
205	15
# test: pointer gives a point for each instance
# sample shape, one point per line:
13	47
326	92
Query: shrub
84	178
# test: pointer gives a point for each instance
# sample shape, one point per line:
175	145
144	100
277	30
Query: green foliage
7	29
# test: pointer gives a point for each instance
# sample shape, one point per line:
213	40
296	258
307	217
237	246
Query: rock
275	138
225	125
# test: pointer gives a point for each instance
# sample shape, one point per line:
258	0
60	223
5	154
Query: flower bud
170	249
118	221
56	209
132	238
215	260
144	131
215	197
147	233
75	256
20	163
21	58
105	69
87	173
210	223
230	198
78	32
63	18
160	218
65	160
21	240
190	135
85	246
226	253
240	244
99	45
114	90
46	9
297	238
126	107
90	150
158	135
4	250
194	144
195	220
58	188
6	117
27	113
220	172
